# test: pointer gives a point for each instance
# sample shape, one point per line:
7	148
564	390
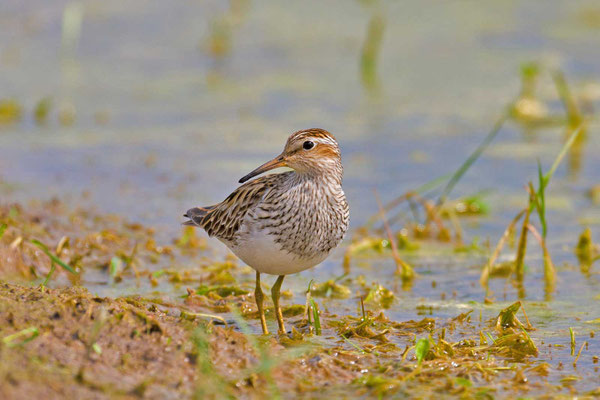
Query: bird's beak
277	162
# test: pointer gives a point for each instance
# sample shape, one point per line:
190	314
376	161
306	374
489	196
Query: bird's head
313	152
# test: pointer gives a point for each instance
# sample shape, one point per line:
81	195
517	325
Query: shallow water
163	124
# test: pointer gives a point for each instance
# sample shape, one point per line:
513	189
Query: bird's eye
308	145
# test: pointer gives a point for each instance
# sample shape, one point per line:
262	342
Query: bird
287	222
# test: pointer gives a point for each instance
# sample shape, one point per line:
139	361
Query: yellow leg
275	294
258	296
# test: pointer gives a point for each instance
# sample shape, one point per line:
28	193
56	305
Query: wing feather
223	220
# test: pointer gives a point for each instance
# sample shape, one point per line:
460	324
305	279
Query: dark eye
308	145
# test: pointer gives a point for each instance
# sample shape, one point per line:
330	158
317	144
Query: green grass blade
28	334
573	343
97	349
541	199
52	268
426	187
316	318
433	184
574	115
357	347
116	266
563	152
544	180
522	247
3	229
472	158
57	260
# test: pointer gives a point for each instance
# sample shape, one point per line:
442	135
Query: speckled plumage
306	214
287	222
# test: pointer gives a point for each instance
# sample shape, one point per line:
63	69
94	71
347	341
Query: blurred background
145	109
148	108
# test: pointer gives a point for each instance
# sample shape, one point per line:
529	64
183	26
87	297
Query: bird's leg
258	296
275	294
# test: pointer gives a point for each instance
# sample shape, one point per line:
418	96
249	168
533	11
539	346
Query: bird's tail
196	215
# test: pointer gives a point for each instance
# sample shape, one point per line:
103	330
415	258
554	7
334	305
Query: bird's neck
319	178
329	175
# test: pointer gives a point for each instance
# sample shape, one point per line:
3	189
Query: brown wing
223	220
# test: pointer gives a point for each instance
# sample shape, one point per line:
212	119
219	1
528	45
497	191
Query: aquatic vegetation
293	310
379	296
222	28
361	327
403	269
10	111
574	115
42	109
116	267
363	245
470	205
585	250
537	202
76	249
54	258
594	194
458	354
167	315
221	291
67	114
514	346
434	226
316	318
507	319
528	109
369	55
190	240
533	112
422	349
195	317
330	289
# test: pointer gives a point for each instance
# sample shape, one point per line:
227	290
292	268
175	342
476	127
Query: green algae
330	289
379	296
221	291
293	310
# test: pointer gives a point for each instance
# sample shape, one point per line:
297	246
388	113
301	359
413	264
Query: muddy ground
58	340
90	347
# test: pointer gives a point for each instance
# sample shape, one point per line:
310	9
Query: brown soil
64	342
91	347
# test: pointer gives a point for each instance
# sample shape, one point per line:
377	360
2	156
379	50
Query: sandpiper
283	223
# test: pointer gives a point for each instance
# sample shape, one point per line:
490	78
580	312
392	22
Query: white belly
261	252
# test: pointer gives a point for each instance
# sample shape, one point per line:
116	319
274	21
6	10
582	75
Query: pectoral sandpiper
283	223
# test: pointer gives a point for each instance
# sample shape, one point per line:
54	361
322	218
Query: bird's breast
293	228
261	251
307	219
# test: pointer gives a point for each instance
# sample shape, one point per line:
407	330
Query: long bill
277	162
